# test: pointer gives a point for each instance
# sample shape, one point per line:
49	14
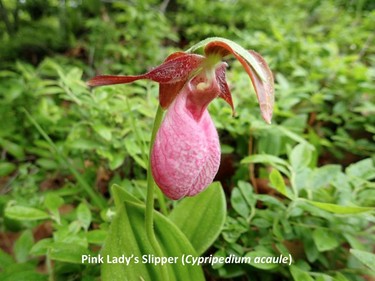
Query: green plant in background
316	214
322	57
139	32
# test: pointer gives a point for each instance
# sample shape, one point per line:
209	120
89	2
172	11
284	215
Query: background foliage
304	185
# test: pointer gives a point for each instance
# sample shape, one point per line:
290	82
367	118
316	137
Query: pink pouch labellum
186	154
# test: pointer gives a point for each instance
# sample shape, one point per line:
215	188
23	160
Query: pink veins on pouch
186	154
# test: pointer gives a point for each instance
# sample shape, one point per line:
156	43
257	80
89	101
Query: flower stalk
149	218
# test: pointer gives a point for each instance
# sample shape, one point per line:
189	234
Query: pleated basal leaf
127	239
201	218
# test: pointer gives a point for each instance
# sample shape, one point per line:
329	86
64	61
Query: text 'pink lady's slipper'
185	156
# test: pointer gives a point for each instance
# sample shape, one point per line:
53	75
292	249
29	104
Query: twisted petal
172	75
255	66
225	93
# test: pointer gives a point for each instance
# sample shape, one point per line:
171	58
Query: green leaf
256	261
366	258
6	168
239	203
68	252
84	215
117	161
74	227
201	218
300	157
20	272
5	260
312	253
243	199
354	241
231	271
323	176
83	144
233	229
40	248
127	237
25	213
340	277
292	135
264	158
23	246
135	151
279	163
324	239
120	195
52	201
299	274
96	236
103	131
278	183
12	148
323	277
338	209
362	169
47	164
247	191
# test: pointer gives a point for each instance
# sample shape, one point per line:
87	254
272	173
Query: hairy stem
149	219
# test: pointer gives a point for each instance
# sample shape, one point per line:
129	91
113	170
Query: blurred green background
63	145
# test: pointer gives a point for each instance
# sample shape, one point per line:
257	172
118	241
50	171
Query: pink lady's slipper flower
186	153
